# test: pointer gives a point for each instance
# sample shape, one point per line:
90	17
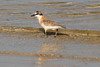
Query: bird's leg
45	33
56	32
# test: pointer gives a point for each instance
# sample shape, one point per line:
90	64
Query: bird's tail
63	27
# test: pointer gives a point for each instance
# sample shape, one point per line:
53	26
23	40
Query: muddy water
31	50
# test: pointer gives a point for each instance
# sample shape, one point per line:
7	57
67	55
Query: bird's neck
41	18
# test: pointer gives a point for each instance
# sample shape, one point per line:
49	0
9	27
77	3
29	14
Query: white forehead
35	13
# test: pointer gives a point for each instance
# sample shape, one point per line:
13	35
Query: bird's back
48	22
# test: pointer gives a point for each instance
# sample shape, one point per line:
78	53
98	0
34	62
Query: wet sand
22	46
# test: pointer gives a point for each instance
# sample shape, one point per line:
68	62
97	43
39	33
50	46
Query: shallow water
56	52
46	52
75	14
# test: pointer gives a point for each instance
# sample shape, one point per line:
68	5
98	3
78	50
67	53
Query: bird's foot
55	36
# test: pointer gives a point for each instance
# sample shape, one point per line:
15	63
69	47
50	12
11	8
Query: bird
46	23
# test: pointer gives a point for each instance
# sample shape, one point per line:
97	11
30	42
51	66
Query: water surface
63	51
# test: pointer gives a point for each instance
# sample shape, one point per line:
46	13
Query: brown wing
51	23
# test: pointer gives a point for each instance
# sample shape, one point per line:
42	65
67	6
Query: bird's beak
32	15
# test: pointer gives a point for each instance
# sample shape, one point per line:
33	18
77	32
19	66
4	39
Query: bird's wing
51	23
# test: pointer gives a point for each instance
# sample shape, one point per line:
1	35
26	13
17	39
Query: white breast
50	27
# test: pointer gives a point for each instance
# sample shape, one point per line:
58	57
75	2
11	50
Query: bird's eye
41	14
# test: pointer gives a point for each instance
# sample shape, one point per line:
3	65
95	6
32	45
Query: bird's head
37	14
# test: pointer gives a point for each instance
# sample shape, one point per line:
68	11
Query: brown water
31	50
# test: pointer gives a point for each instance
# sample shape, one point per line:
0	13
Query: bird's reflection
47	49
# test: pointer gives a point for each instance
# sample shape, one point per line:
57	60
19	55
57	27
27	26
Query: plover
46	23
